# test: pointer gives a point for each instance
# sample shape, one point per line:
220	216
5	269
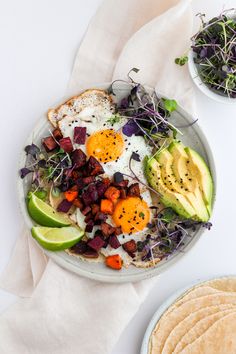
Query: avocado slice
195	198
180	166
169	198
199	168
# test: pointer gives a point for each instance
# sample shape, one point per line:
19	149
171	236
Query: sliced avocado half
200	170
195	198
183	180
175	200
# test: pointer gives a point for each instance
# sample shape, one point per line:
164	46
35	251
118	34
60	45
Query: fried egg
113	150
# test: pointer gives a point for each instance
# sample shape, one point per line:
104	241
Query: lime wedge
57	239
44	214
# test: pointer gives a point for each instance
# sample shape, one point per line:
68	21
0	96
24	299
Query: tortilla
200	328
220	338
213	293
184	326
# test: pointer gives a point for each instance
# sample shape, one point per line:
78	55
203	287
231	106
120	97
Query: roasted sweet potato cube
49	143
94	168
107	229
133	190
57	134
130	246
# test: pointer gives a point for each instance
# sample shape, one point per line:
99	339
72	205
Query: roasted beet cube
95	208
78	203
133	190
80	183
96	243
89	226
57	134
75	174
88	180
114	242
64	206
88	217
100	216
86	210
101	188
66	144
122	184
118	230
79	135
107	229
49	143
90	195
130	246
118	177
80	247
78	158
91	253
123	193
94	168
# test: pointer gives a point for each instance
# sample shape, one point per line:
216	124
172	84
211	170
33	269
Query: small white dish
166	304
203	87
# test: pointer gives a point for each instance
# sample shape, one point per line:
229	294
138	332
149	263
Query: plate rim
170	301
145	273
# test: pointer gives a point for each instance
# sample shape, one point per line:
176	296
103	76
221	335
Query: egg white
95	119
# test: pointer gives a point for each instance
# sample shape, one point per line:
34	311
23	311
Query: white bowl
203	87
193	136
165	305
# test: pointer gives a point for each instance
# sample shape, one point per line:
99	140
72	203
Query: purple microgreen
24	172
130	128
32	150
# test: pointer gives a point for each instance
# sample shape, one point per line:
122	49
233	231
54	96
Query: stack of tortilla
202	321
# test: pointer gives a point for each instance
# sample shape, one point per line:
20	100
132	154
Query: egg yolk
132	214
106	145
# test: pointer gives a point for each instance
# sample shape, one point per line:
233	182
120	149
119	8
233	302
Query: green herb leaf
170	105
168	215
141	215
115	118
181	60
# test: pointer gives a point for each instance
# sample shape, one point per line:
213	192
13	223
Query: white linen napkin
64	310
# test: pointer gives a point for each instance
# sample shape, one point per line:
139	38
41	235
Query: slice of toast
88	98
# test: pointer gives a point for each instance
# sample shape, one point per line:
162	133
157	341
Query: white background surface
39	40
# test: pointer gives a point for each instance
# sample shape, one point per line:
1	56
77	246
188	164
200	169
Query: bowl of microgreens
212	59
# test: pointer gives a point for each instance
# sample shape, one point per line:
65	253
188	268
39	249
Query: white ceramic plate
193	136
204	88
166	304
